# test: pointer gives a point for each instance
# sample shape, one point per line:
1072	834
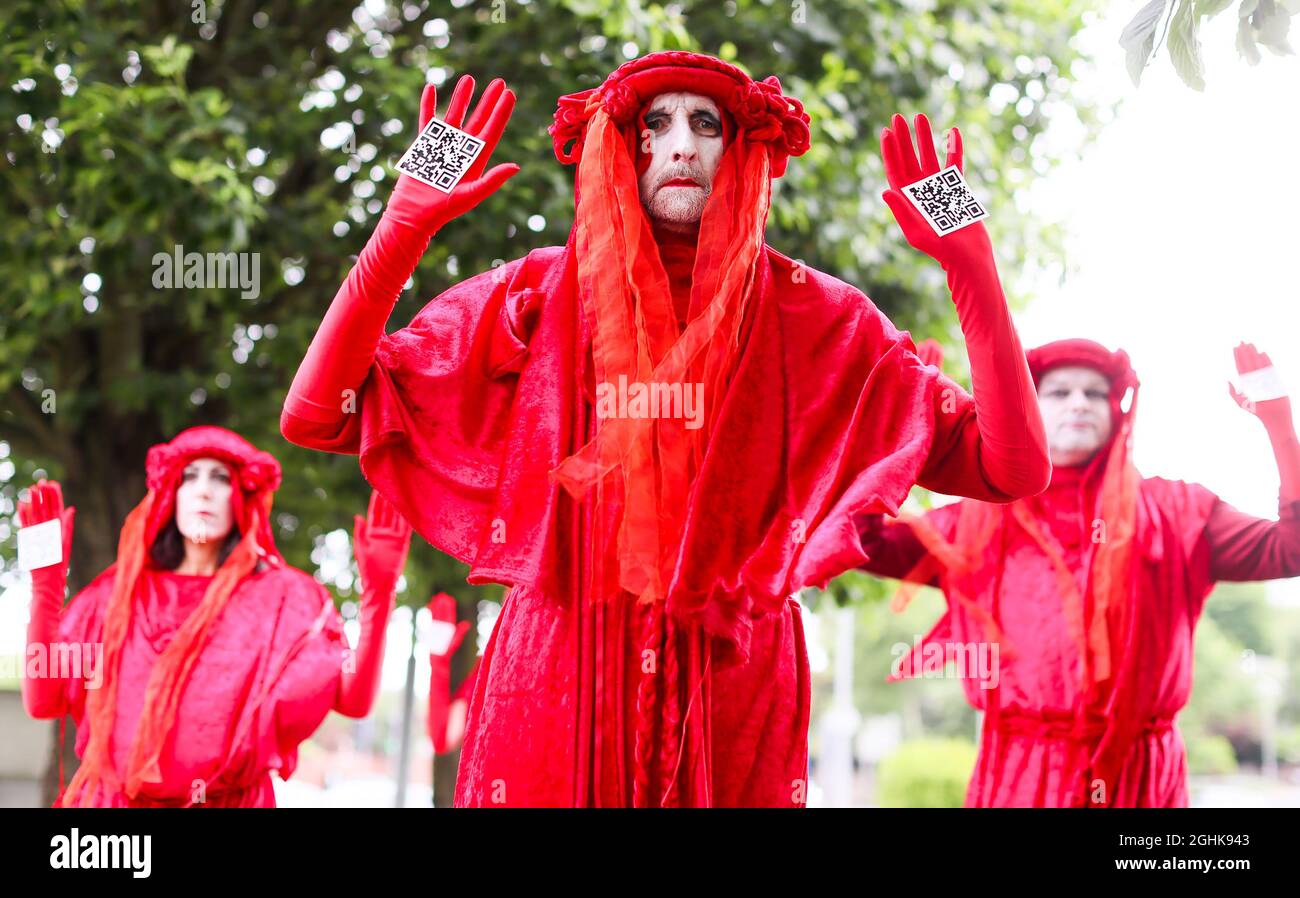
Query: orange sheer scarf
636	338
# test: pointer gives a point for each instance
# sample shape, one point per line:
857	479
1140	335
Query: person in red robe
1071	613
656	434
217	658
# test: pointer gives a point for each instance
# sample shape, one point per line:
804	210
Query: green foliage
1260	23
1242	612
927	773
1210	756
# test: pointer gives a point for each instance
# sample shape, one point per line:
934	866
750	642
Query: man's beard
677	206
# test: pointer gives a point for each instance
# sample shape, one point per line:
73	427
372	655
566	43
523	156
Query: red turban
255	477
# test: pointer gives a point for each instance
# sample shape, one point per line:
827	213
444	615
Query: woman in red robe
648	652
205	659
1089	592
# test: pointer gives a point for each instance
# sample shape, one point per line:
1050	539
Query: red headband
759	108
253	472
1087	353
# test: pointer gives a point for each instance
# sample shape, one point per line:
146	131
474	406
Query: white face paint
1075	403
203	509
685	145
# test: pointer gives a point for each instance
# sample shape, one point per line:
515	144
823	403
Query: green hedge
926	773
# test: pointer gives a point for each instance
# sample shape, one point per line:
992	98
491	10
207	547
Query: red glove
43	696
1275	414
343	349
381	543
1013	445
445	737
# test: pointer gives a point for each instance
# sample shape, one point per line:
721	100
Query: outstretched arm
382	540
892	548
319	410
45	695
1243	547
995	449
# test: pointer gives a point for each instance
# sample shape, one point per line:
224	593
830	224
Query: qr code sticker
440	156
945	200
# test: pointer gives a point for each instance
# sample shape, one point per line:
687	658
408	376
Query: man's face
1075	402
684	140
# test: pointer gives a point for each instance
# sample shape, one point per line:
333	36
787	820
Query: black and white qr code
945	200
440	156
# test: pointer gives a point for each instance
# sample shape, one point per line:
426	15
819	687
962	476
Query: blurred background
1137	160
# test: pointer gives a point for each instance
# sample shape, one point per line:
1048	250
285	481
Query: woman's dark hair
168	549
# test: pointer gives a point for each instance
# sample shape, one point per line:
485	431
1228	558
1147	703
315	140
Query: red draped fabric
265	680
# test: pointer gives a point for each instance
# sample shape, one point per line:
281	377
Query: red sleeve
82	623
1243	547
892	546
958	464
306	669
319	409
990	445
431	417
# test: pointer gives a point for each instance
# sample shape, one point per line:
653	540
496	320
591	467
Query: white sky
1182	222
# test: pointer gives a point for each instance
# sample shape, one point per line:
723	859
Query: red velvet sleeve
320	408
1244	547
893	548
961	462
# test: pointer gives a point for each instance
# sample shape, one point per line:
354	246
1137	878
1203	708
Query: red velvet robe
263	683
830	413
1187	538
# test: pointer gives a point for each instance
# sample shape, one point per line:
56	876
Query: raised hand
381	542
448	634
45	503
43	696
1257	366
426	208
446	711
903	166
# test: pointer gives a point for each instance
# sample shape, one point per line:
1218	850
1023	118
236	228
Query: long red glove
1275	415
325	389
446	733
1013	445
381	542
44	696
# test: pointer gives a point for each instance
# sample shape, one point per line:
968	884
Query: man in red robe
1089	592
657	433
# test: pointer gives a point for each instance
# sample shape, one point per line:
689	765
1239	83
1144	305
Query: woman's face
203	508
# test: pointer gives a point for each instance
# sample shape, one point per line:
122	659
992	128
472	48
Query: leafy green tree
1176	24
